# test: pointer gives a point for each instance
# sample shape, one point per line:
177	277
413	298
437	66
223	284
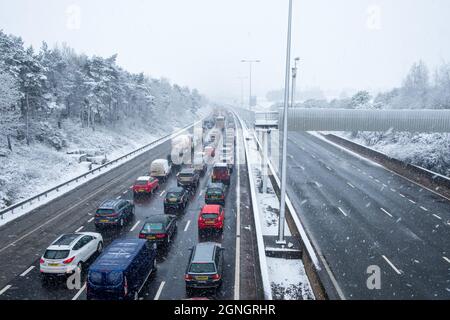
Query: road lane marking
237	262
370	177
125	192
90	220
27	271
342	211
435	215
161	194
187	225
411	201
390	215
377	180
329	168
393	190
75	297
158	293
314	156
392	265
446	259
135	225
401	195
79	229
423	208
5	289
351	185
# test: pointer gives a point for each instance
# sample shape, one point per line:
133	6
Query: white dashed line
314	156
27	271
370	177
446	259
79	292
401	195
135	225
411	201
377	180
392	265
423	208
436	216
79	229
91	219
5	289
187	225
158	293
393	190
329	168
342	211
390	215
125	192
351	185
162	193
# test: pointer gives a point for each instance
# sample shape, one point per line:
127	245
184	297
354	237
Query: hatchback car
175	200
205	266
145	185
114	213
159	229
211	217
215	193
221	173
68	252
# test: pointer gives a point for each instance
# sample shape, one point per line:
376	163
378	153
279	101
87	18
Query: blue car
121	271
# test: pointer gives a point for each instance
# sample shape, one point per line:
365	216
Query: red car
221	173
145	184
211	216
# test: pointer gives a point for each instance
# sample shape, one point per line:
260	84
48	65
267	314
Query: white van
160	169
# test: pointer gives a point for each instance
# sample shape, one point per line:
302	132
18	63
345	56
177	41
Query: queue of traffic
120	270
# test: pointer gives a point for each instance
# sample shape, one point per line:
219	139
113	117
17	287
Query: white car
70	251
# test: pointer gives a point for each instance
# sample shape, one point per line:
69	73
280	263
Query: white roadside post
282	219
265	160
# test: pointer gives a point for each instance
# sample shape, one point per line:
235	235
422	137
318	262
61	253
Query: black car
176	199
215	193
188	178
114	213
205	267
159	229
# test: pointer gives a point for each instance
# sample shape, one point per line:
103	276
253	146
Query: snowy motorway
359	214
24	240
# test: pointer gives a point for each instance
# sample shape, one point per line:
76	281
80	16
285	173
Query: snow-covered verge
287	277
29	170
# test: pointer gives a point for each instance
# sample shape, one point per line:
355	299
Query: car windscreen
56	254
112	278
186	174
209	215
172	195
105	211
202	268
140	182
151	227
214	192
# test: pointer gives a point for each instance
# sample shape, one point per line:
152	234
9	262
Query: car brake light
160	235
141	236
67	261
125	287
187	277
216	277
41	261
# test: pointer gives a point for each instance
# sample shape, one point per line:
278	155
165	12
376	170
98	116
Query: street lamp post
294	77
250	62
282	219
242	90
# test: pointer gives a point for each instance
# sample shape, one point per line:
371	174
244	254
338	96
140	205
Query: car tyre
155	267
100	247
121	223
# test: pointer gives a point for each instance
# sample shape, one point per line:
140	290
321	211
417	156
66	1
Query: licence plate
209	222
201	278
53	264
104	220
151	237
173	199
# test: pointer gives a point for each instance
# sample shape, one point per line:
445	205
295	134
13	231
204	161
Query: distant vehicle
205	266
114	212
121	271
214	136
176	199
199	163
188	178
181	152
145	184
211	217
221	173
159	229
220	122
228	159
210	151
68	252
215	193
160	169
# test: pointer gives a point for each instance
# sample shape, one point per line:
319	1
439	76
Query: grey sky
200	43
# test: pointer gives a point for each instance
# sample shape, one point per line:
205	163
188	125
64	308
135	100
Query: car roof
118	255
160	161
110	204
210	208
156	218
66	240
143	178
216	185
204	252
175	189
220	165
